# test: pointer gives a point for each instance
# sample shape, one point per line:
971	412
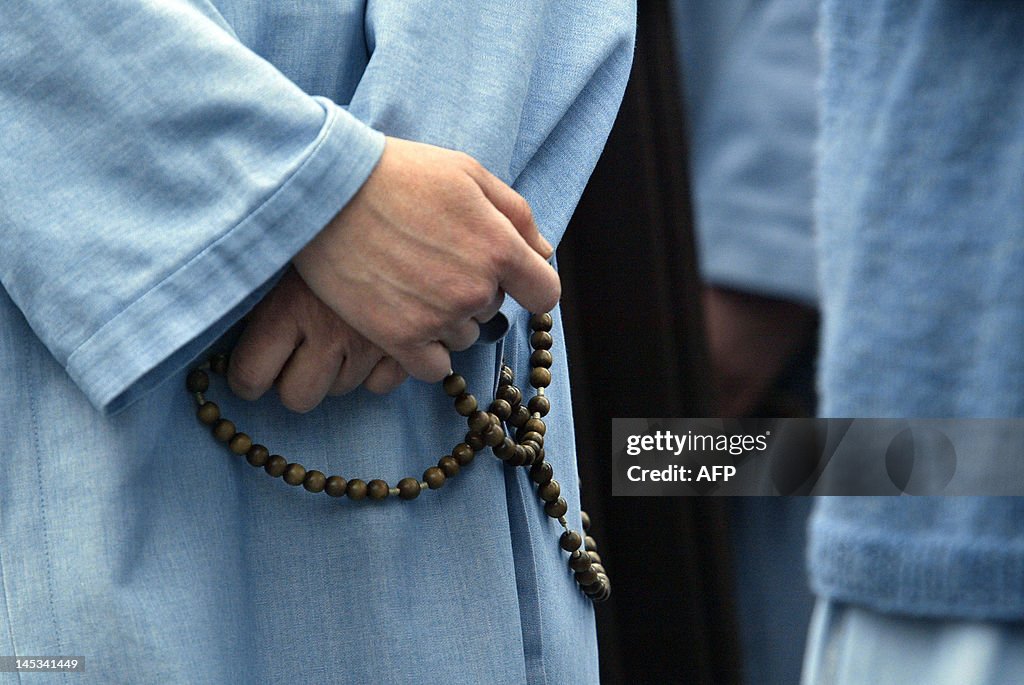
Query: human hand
296	342
422	253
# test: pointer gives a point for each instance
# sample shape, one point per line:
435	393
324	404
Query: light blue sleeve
156	175
749	70
530	88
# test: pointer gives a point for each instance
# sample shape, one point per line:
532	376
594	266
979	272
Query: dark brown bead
518	457
449	466
529	454
506	377
219	363
540	405
257	455
501	409
478	421
408	488
465	404
597	567
540	378
506	449
550	491
208	413
463	453
585	520
494	420
434	477
532	436
541	340
541	322
604	594
295	474
579	561
556	509
511	394
541	472
315	481
224	430
520	415
197	381
590	543
454	385
275	466
493	435
570	541
536	425
588	577
541	359
594	556
336	486
240	443
356	489
377	489
541	455
475	441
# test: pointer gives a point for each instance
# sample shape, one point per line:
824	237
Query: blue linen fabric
163	161
921	215
749	69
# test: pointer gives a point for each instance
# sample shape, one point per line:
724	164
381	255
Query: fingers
527	277
261	352
385	376
308	375
515	208
461	336
492	308
355	369
429	362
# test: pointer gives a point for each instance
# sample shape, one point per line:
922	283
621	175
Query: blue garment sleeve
530	88
156	175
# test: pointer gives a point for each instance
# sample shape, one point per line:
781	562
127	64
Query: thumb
515	208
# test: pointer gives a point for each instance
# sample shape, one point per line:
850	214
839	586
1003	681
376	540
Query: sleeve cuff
169	325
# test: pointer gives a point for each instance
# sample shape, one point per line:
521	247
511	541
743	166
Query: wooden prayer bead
275	466
449	466
594	556
585	520
541	340
541	322
478	421
454	385
356	489
377	489
510	394
570	541
541	473
501	409
434	477
550	491
506	449
315	481
535	425
336	486
465	404
532	436
257	455
540	378
197	381
408	488
541	359
208	413
590	543
240	443
520	415
539	405
506	377
556	509
579	561
493	436
475	441
224	430
294	474
588	577
463	453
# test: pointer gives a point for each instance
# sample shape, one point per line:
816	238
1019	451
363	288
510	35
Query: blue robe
162	162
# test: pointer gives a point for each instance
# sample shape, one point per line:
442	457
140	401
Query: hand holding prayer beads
486	429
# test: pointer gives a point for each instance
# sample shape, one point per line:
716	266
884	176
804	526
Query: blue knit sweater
921	219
